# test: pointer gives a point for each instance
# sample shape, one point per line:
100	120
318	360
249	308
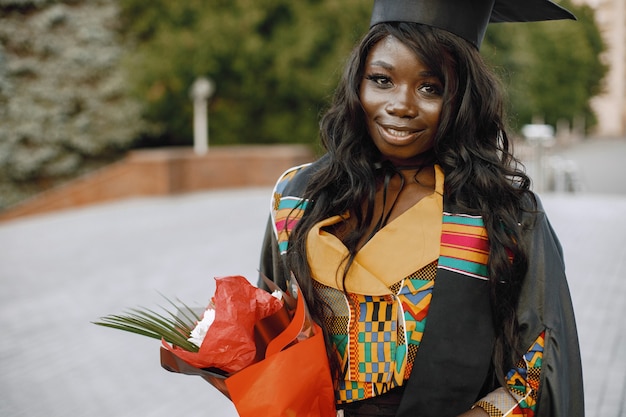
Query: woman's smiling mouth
394	134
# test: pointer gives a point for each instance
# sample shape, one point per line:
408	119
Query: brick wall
169	171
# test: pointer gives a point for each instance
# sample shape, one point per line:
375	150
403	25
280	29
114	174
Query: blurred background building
610	107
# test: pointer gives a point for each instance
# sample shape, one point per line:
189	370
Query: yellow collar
403	246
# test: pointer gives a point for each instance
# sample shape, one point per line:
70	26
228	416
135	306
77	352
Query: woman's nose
402	104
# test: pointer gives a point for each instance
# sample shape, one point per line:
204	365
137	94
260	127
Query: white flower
199	332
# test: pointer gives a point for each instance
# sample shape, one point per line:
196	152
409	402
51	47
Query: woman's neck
417	162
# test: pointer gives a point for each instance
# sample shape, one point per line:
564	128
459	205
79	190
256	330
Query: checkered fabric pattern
377	338
523	386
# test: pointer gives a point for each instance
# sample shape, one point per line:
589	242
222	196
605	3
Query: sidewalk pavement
60	271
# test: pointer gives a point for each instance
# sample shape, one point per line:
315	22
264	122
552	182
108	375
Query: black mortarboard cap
466	18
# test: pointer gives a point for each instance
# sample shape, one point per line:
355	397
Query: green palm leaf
173	327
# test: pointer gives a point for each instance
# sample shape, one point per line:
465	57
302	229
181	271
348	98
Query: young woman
416	240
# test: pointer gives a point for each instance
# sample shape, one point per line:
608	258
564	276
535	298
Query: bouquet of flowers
261	350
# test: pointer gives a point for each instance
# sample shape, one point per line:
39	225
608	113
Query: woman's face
402	100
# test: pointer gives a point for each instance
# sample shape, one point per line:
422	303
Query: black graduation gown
454	358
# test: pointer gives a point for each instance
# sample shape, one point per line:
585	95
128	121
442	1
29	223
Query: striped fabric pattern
286	210
464	245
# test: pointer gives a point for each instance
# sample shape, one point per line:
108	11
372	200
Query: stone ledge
166	171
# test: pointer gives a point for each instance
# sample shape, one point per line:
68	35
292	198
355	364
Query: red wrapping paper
290	376
229	344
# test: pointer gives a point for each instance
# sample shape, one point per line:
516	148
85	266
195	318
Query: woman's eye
432	89
379	79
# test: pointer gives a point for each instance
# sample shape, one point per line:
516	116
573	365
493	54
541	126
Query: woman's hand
475	412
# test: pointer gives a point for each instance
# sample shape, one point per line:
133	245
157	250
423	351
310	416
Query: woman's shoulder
531	207
295	179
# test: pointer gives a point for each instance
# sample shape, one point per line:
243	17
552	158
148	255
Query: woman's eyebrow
382	64
427	74
390	67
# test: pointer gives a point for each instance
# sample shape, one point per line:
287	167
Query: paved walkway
60	271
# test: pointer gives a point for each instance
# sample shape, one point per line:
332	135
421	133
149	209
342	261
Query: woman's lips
398	134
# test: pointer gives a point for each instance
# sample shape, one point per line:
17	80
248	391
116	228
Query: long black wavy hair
471	146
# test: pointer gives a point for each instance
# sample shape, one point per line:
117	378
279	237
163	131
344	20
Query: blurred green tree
274	64
551	69
64	102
